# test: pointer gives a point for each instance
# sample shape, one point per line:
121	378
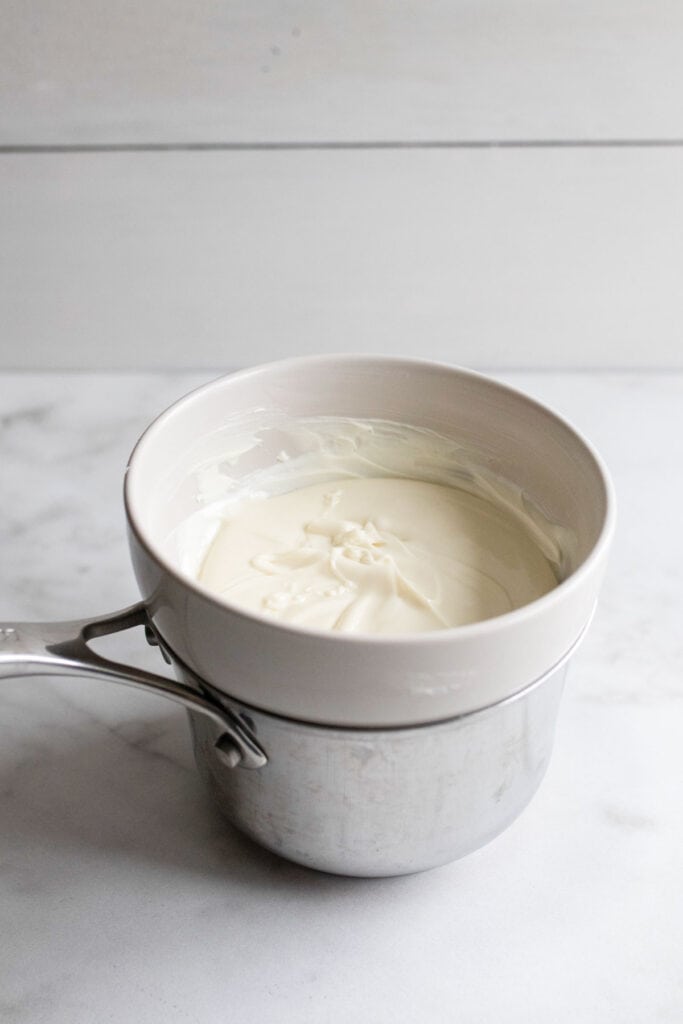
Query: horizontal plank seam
203	147
169	370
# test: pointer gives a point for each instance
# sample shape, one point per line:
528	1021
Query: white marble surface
126	898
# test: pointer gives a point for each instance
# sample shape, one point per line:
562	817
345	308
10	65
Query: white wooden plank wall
561	247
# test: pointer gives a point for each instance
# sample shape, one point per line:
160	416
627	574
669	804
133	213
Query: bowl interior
508	434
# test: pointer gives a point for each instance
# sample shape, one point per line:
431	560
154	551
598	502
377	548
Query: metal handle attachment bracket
61	648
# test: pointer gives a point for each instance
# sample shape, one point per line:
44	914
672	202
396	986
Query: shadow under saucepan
132	792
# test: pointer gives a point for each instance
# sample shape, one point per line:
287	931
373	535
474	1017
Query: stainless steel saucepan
355	754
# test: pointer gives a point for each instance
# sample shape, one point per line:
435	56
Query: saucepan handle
61	648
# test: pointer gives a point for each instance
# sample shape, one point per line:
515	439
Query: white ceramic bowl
369	680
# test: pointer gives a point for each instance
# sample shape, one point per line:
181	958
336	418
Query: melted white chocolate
375	555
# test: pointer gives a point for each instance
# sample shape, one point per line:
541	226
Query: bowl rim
450	634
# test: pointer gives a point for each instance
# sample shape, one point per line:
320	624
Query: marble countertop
126	898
